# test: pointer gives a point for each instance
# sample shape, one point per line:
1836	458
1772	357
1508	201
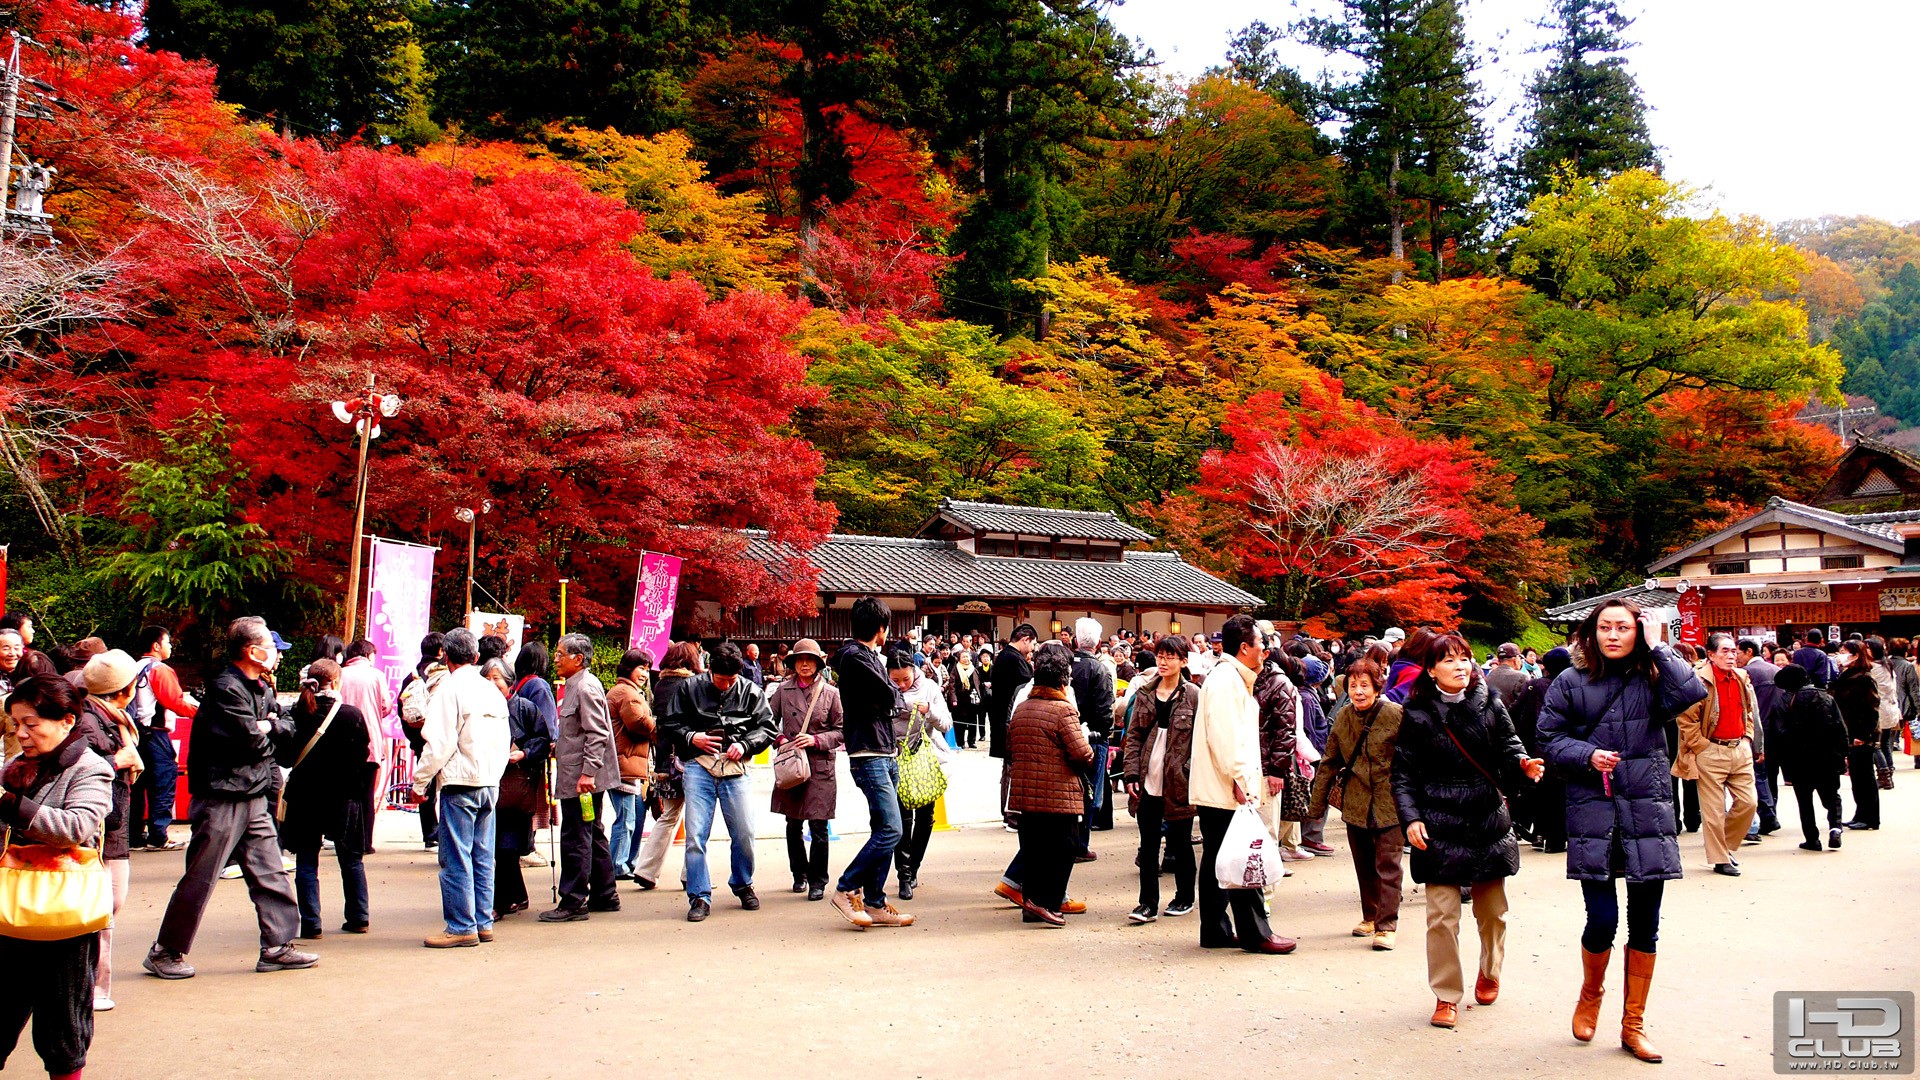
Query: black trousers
51	981
511	829
1047	846
812	866
1828	788
1686	804
1248	925
1866	786
586	864
1550	812
916	829
430	815
1179	837
243	830
967	721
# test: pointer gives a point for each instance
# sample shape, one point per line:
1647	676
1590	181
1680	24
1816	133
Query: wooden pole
473	528
359	523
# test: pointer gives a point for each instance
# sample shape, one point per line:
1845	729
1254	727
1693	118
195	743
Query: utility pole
20	204
9	114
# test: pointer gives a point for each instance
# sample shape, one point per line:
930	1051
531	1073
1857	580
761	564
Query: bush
68	603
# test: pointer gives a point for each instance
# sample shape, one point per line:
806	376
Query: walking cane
553	856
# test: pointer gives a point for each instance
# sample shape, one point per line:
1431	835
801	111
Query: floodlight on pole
363	411
468	516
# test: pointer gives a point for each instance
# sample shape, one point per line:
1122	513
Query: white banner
1811	592
498	624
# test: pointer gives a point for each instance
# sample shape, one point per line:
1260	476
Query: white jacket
1226	739
467	739
927	691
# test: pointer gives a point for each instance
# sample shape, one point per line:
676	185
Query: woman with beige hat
807	709
105	726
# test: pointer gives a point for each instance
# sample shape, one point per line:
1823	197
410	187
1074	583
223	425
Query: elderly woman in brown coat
807	710
1159	745
1047	753
1356	775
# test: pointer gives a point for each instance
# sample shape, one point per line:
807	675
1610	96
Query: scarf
24	773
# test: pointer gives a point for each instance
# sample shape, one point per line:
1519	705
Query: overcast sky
1781	108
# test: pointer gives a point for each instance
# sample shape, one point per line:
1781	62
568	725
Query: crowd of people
1607	750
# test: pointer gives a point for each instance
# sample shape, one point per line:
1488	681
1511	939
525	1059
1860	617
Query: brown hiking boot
888	915
853	909
444	940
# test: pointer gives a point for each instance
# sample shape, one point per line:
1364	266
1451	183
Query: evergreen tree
1252	57
315	67
1585	110
1023	85
1882	348
503	67
1413	133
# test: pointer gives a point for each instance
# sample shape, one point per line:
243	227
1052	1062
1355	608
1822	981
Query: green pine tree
1413	136
1584	107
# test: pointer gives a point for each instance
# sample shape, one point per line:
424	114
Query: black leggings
804	864
1603	915
916	828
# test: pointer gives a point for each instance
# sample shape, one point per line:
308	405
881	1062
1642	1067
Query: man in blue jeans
868	699
717	721
465	742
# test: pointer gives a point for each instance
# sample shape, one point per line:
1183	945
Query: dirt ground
970	992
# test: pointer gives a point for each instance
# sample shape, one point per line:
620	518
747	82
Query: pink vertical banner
399	606
653	598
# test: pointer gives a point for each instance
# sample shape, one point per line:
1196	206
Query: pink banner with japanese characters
653	598
399	606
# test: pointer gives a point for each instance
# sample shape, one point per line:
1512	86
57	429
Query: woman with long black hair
1602	728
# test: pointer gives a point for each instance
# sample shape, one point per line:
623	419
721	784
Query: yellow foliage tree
721	241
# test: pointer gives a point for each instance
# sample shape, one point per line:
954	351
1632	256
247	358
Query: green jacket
1365	772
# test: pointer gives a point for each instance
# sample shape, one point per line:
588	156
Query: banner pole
563	607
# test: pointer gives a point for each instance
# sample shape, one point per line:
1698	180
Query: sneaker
1086	856
853	909
1383	941
287	863
747	898
1833	838
1288	854
1365	929
1070	906
532	860
1178	908
102	1003
166	845
698	909
888	915
1142	914
448	940
1322	850
1008	893
231	873
165	964
564	914
285	958
1810	846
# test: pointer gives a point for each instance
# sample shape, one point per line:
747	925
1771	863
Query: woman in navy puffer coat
1601	727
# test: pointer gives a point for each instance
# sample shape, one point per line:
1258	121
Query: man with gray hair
587	765
465	743
229	774
1720	736
1093	691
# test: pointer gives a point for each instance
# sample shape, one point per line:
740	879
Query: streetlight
364	412
467	514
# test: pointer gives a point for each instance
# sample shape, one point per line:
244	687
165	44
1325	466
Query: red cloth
1732	721
166	690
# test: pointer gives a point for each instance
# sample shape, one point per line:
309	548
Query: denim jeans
466	857
353	886
626	831
152	810
879	780
1100	795
704	790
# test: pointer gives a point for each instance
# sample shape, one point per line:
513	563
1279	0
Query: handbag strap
1471	760
324	724
807	720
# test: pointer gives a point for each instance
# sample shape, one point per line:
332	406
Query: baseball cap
1394	635
280	644
1509	651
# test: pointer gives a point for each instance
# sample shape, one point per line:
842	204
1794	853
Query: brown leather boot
1586	1014
1633	1035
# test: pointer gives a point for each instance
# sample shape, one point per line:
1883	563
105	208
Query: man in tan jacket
1720	740
1224	775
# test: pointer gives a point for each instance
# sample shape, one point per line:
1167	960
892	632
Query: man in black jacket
1012	669
868	699
717	721
1093	690
230	770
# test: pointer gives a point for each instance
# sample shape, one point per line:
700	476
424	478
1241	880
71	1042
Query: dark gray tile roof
893	566
1040	521
1643	595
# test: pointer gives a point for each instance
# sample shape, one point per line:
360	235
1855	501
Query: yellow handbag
52	893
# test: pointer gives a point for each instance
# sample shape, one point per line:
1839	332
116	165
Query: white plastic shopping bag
1249	856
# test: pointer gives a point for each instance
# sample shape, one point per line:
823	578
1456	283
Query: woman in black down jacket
1811	750
1602	728
1456	755
1859	700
